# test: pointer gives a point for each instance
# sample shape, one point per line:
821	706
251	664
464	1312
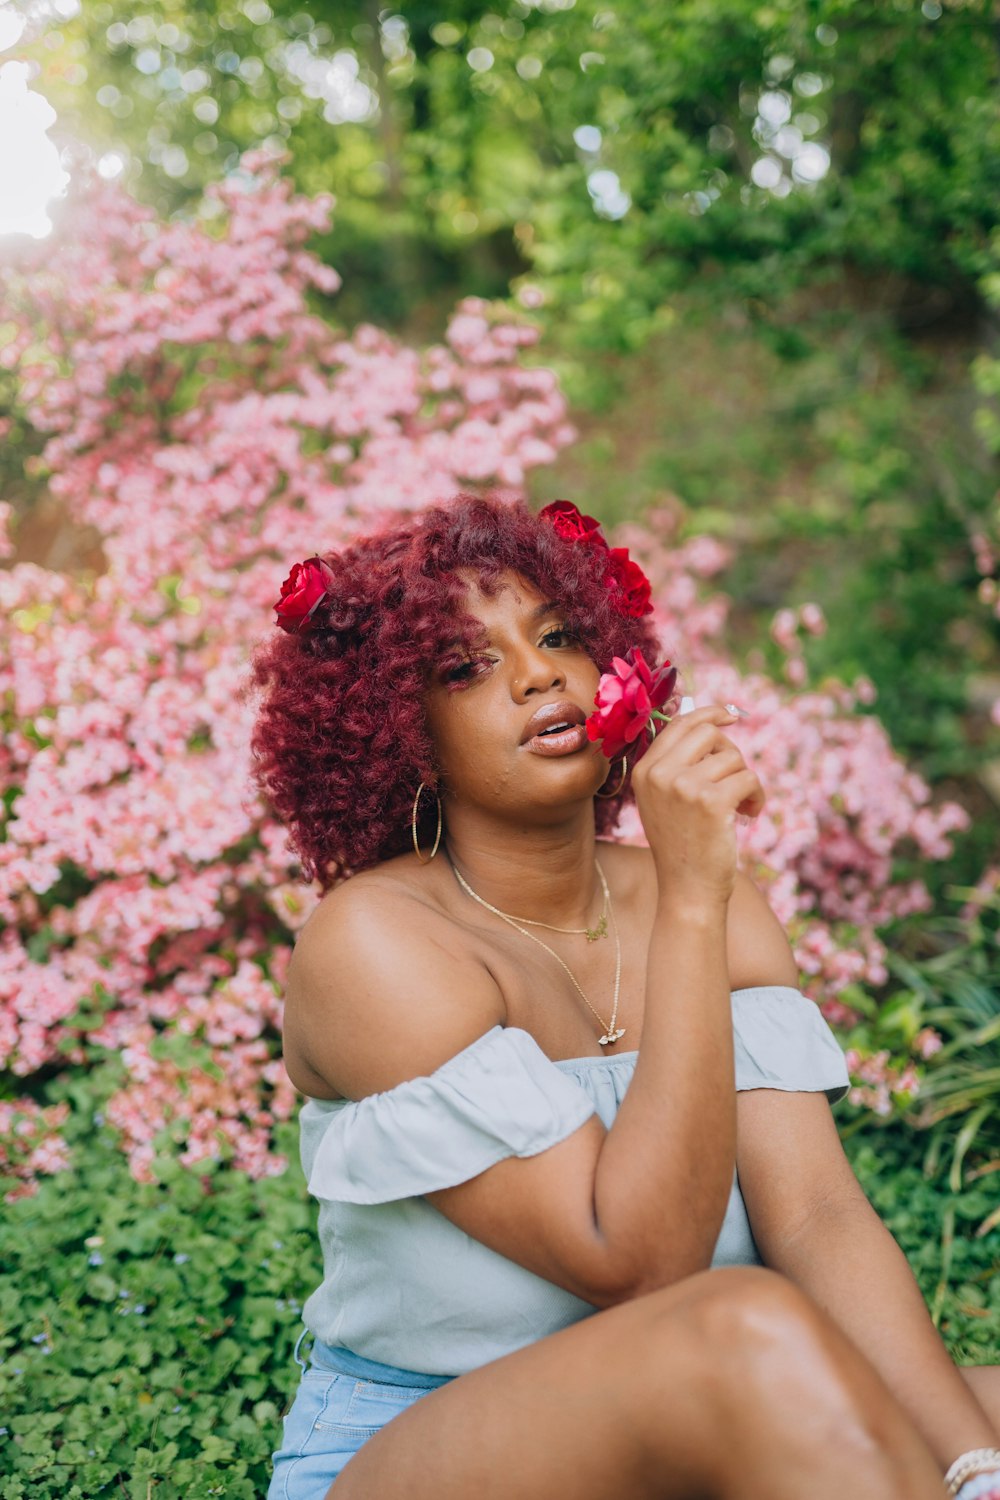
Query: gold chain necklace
610	1034
599	930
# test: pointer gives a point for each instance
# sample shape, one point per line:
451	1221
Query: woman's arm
384	991
812	1222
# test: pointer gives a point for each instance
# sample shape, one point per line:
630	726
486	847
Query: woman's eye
467	669
462	672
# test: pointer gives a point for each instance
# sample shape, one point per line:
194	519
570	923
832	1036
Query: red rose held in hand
302	592
627	697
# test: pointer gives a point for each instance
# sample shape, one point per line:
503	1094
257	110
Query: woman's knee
766	1367
711	1326
755	1337
755	1312
747	1304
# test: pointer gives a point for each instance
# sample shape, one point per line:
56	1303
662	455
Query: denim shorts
342	1400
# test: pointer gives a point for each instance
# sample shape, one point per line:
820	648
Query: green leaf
964	1140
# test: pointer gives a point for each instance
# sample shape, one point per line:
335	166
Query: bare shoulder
759	952
380	989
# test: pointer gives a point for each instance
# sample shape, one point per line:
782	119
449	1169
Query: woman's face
478	713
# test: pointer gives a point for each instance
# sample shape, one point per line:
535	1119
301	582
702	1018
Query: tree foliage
805	191
757	148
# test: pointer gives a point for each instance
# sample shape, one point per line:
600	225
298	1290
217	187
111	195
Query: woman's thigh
649	1400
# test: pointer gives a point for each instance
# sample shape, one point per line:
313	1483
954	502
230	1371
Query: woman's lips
564	742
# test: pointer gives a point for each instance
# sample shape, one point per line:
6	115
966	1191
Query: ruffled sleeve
500	1096
782	1042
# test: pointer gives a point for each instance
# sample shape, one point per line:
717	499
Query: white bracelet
966	1465
981	1487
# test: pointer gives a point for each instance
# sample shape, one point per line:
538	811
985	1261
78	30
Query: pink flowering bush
210	426
30	1144
928	1052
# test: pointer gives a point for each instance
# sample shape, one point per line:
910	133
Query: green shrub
958	990
955	1265
951	986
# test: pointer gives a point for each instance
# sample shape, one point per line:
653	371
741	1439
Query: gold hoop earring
413	828
620	784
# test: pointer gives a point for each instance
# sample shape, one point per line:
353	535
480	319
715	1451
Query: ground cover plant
148	1328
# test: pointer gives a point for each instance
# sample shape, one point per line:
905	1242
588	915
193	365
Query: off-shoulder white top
405	1286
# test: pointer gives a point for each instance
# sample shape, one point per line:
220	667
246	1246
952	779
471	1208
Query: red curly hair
340	740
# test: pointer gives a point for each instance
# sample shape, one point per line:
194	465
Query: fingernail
733	708
687	704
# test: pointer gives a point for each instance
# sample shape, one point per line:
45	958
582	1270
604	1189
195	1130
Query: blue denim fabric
342	1399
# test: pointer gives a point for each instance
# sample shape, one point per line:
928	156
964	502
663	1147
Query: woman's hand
689	786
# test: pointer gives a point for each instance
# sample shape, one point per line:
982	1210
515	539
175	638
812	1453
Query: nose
535	671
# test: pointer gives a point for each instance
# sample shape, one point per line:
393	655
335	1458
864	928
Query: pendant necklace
611	1035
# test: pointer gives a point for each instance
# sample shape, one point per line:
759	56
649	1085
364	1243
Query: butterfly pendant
611	1036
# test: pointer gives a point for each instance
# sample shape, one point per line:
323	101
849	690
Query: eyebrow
550	607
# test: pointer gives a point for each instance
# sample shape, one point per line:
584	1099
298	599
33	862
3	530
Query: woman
518	1213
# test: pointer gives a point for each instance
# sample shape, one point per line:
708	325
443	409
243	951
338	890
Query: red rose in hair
302	592
628	701
626	579
572	524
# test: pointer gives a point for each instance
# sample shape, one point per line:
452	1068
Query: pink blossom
813	618
927	1042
